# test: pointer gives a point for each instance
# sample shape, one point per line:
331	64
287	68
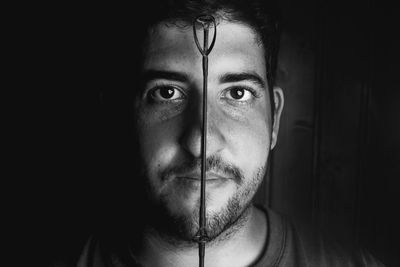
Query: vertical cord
205	21
204	156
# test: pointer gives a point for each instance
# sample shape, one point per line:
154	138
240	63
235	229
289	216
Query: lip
210	176
195	182
198	180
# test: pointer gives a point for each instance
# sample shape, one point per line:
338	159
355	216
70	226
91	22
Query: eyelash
156	87
254	93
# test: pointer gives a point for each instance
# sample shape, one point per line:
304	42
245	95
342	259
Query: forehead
237	48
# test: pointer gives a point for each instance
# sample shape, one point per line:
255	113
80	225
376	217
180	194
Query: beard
181	229
219	225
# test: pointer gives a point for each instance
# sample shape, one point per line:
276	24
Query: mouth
212	179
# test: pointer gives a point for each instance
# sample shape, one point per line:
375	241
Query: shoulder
320	250
281	248
323	250
89	250
100	252
92	254
290	245
65	253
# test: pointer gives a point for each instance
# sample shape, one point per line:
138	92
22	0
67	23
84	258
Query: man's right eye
166	93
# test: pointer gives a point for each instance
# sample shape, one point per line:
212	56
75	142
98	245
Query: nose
191	138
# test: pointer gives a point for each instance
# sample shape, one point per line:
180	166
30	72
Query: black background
67	145
337	162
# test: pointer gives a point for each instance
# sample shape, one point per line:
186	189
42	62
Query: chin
180	223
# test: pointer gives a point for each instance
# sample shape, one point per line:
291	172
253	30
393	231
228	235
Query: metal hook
205	21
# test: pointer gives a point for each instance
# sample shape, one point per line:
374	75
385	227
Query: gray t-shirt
284	247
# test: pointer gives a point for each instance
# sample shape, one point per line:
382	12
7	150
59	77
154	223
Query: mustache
213	163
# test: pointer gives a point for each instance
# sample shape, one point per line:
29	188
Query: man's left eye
238	94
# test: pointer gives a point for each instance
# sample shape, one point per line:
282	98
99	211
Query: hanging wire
205	22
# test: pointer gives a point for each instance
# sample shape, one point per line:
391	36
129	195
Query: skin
240	134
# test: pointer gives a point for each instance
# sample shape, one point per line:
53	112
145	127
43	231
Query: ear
279	101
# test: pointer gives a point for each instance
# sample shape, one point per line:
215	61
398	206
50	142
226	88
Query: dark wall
337	162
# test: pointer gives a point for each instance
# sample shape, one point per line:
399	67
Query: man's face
169	119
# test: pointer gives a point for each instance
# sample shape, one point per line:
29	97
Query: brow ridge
149	75
242	76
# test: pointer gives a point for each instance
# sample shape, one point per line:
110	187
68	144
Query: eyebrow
242	76
150	75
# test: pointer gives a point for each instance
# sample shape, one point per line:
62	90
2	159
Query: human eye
239	94
165	94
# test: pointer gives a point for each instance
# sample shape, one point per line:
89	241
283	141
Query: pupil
237	93
166	92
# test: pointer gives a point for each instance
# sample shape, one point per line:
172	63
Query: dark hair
122	32
126	29
262	16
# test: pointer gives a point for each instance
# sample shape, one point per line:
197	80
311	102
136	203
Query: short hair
125	31
263	16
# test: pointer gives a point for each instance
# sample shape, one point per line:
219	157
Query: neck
240	247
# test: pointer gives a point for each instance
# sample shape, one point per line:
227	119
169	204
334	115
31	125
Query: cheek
250	143
157	144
